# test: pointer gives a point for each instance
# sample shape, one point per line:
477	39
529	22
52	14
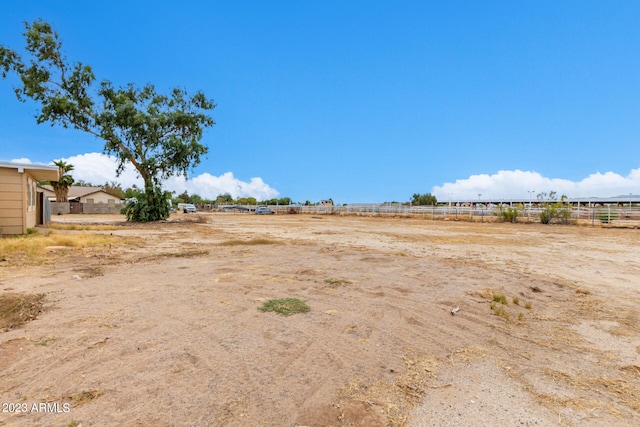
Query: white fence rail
604	215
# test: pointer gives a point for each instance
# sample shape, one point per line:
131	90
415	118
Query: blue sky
364	101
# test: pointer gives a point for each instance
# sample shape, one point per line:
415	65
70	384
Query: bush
151	205
564	215
554	209
546	216
510	214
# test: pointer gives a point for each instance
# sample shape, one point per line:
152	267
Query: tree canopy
424	199
158	134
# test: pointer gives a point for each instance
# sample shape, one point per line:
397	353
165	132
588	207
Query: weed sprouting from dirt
501	298
285	306
248	242
528	305
17	309
499	310
335	282
45	342
516	300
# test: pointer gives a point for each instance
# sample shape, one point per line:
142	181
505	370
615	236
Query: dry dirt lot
159	325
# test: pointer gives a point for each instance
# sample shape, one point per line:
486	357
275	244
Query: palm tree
61	186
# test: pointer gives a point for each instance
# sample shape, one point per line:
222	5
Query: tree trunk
61	193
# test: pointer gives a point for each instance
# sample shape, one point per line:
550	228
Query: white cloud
22	160
210	186
516	185
98	168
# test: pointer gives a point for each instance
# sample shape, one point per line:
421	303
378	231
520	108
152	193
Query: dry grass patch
190	218
619	390
82	227
83	397
628	323
35	245
184	254
17	309
250	242
395	399
90	271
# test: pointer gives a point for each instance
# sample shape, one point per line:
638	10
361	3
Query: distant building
83	194
326	202
21	205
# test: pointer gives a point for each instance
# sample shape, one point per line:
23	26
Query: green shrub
546	216
501	298
564	215
285	306
151	205
554	209
500	311
508	214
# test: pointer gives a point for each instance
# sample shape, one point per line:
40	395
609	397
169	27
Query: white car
263	210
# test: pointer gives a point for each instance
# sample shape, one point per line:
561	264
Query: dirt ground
161	326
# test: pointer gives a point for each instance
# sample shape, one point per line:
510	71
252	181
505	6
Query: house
21	205
83	194
83	199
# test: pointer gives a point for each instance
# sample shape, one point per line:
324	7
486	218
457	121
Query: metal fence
608	215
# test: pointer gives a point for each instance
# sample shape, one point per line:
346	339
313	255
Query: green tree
224	199
246	201
184	198
132	192
426	199
114	189
158	134
61	186
283	201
